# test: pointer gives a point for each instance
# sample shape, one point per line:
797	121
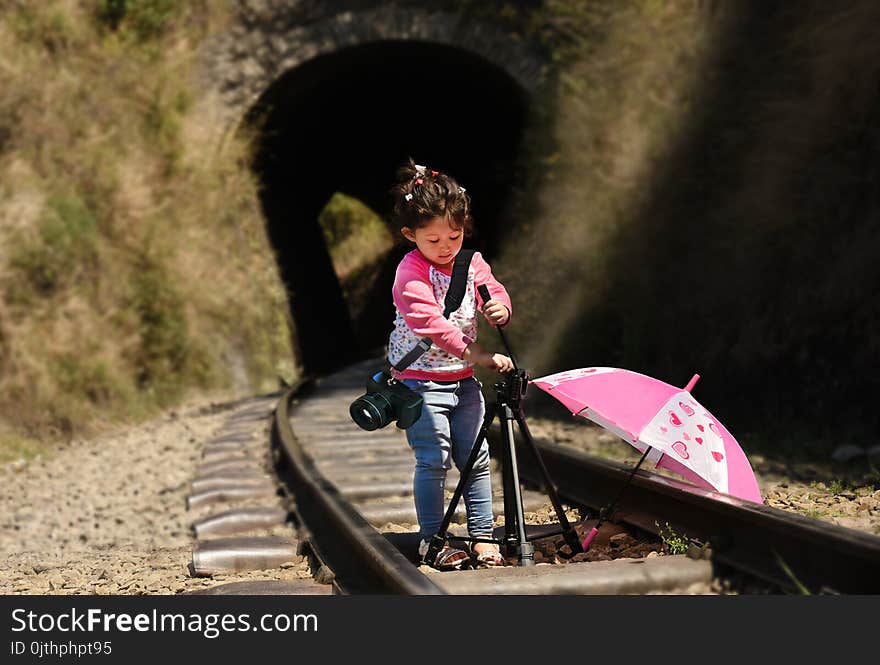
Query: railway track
348	494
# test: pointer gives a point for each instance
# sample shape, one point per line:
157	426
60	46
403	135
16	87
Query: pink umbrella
664	422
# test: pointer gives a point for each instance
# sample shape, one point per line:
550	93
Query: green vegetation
134	265
837	487
164	349
355	235
143	19
63	251
789	573
359	242
675	544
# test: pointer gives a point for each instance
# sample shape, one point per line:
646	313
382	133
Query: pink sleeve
483	275
414	297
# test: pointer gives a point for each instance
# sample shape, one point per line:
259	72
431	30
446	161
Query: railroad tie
231	555
244	536
238	521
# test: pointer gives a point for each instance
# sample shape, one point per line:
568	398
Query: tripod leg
514	520
568	532
438	541
511	537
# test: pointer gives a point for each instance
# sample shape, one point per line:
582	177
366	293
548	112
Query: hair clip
435	173
408	197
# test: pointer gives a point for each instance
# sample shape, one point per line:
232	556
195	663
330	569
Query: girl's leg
465	422
431	442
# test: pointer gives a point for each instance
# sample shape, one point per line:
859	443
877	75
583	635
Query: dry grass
133	261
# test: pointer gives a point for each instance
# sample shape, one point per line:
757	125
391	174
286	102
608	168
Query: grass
355	234
134	266
675	543
63	250
14	446
789	573
838	487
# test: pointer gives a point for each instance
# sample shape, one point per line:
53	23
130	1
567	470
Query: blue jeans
452	415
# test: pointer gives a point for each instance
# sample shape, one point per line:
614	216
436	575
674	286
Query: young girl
433	212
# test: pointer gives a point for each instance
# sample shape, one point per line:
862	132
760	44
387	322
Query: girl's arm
483	275
477	354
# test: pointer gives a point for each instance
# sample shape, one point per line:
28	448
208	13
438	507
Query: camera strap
454	296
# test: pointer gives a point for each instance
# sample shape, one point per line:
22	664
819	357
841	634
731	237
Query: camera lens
371	411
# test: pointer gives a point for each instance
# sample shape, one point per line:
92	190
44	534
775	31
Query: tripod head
512	390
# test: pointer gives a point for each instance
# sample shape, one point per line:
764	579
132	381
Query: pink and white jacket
419	292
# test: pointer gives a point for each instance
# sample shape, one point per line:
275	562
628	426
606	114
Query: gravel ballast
108	515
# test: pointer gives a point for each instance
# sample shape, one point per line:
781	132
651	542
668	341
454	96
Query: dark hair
421	194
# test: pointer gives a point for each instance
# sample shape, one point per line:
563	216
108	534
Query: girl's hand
500	362
477	354
495	313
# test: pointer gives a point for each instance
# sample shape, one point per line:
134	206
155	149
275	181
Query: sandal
490	555
449	558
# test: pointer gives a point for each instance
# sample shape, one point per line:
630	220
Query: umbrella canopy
685	438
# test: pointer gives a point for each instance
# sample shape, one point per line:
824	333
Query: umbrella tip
690	386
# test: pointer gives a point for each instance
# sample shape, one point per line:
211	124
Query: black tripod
508	408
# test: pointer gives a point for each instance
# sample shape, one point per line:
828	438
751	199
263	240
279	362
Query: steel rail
787	550
362	560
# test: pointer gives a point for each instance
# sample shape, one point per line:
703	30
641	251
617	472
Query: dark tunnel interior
345	122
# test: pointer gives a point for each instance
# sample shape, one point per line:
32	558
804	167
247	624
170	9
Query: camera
387	399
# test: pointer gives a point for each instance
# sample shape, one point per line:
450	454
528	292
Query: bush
65	249
79	374
355	235
163	349
144	19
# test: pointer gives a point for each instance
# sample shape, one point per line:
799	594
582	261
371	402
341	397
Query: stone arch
241	63
285	73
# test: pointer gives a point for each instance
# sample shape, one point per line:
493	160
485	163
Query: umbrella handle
590	538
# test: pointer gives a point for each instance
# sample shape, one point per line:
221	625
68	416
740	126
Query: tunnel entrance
344	122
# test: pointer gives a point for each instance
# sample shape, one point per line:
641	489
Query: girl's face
438	241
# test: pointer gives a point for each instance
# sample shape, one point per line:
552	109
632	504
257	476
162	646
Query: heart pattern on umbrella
704	458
